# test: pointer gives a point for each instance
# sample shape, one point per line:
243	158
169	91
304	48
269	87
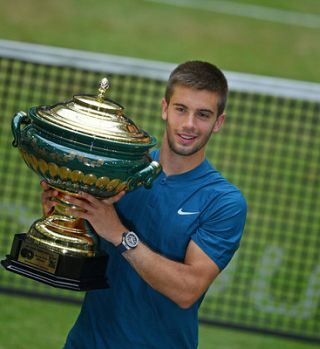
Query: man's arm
183	283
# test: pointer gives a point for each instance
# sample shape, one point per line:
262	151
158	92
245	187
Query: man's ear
164	106
219	122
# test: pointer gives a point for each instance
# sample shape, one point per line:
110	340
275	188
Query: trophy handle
145	177
19	119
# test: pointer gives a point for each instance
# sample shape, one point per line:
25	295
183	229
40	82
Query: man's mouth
186	139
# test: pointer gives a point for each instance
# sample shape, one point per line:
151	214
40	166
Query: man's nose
189	121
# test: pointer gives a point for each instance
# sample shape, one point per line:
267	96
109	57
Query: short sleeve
221	227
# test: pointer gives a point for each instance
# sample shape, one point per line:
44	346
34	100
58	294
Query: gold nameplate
41	259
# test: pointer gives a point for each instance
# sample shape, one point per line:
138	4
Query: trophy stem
63	233
63	203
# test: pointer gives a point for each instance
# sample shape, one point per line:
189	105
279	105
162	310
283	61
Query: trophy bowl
87	144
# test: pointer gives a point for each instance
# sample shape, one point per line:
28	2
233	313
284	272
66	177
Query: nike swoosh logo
185	213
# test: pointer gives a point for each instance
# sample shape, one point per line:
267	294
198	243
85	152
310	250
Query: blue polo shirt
199	205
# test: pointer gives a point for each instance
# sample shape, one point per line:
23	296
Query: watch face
131	239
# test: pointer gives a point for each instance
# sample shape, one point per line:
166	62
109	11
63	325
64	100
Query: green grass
29	323
168	33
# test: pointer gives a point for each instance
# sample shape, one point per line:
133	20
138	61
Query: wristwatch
129	241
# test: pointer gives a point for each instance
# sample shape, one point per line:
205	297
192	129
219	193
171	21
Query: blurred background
266	38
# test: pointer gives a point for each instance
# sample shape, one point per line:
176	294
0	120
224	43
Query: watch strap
122	248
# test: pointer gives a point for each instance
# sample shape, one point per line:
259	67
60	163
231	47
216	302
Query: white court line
252	11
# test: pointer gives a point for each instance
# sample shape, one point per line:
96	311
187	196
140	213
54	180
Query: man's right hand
46	198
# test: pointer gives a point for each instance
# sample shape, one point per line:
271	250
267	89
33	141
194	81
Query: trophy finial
104	85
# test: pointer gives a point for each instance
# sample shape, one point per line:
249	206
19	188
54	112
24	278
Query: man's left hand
101	214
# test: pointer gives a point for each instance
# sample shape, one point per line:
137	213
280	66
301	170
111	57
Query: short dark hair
201	76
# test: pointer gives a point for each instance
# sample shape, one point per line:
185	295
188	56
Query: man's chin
183	150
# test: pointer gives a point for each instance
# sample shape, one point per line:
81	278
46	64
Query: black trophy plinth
56	269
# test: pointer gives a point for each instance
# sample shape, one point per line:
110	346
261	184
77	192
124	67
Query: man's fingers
90	198
49	191
84	205
115	198
78	213
95	202
44	185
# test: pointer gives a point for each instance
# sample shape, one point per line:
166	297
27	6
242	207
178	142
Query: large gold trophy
86	144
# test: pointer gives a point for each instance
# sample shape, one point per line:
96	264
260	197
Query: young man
183	231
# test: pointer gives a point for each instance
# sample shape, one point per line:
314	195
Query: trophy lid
95	116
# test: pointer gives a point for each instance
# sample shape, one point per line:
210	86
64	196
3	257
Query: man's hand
46	198
101	214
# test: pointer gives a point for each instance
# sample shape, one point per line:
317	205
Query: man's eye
203	115
180	109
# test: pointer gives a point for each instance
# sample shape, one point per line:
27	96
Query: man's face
191	117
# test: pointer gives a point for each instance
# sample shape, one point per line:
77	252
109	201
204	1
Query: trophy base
58	270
